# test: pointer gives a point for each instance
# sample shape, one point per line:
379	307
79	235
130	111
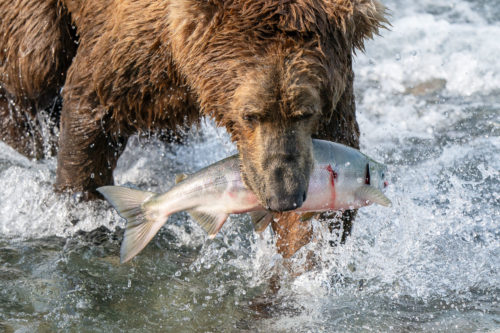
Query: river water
428	106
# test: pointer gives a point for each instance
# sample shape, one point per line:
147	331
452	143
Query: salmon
342	178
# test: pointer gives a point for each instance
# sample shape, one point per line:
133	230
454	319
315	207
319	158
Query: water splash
428	108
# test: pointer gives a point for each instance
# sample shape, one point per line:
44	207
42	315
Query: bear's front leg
25	128
19	128
89	146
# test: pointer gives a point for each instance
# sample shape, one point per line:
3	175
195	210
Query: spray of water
427	98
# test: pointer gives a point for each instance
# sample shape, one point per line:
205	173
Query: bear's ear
358	19
367	18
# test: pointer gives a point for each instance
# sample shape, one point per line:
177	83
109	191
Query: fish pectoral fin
210	221
180	177
261	220
372	194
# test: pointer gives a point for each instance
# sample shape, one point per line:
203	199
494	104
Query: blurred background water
428	106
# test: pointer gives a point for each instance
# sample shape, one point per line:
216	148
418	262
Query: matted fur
36	49
273	72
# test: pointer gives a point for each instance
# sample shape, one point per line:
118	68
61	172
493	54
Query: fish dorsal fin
210	221
180	177
261	220
372	194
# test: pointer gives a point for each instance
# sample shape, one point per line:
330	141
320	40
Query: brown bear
274	73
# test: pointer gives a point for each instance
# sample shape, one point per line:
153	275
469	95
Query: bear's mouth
278	189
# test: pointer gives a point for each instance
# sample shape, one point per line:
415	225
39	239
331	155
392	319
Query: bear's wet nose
282	203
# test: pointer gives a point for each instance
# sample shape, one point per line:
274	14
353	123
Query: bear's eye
251	118
306	116
303	116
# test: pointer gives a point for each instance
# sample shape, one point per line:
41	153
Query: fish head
377	174
374	182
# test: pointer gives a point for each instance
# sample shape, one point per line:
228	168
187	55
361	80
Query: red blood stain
333	174
333	177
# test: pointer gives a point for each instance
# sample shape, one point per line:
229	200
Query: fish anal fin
372	194
180	177
212	222
261	220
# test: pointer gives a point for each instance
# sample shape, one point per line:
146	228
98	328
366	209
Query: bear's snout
279	202
286	185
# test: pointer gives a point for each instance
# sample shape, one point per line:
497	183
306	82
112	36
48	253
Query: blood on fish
333	174
333	177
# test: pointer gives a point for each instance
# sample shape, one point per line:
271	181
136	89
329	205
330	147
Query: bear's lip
283	204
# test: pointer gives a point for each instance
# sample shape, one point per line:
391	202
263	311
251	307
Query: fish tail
142	223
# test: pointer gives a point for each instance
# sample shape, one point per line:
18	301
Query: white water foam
29	207
427	98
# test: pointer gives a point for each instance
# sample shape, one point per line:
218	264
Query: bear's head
270	71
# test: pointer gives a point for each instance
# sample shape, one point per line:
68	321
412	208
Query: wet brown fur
36	49
256	67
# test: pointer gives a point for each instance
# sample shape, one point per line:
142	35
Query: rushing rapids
427	98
